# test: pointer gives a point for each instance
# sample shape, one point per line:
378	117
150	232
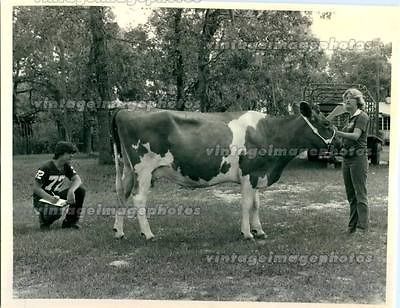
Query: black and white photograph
205	153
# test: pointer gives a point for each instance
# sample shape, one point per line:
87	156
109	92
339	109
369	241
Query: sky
344	25
363	25
127	16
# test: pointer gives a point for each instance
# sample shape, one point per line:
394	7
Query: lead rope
315	131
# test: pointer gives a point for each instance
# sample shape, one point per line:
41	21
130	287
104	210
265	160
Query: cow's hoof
248	237
149	238
117	235
258	235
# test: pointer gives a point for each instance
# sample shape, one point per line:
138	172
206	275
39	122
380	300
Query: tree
185	59
211	23
268	58
370	67
100	62
179	68
49	48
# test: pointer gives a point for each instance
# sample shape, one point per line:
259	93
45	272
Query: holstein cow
203	149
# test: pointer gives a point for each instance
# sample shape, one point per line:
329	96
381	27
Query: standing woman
355	159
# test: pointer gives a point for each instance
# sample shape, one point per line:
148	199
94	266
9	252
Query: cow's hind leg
255	224
140	200
124	187
246	204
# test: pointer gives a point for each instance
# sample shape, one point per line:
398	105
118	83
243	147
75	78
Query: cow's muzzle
327	141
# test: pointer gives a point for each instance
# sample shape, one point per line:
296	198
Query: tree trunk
62	94
60	130
203	76
378	82
87	132
179	69
103	88
89	120
274	103
210	26
105	156
15	89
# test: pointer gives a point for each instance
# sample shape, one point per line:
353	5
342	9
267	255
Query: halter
315	131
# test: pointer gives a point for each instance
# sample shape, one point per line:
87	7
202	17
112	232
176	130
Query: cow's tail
116	148
115	136
114	133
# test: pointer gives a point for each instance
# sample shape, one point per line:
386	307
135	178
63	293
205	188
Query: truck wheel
376	153
311	157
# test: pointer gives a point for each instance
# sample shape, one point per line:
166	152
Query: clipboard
60	202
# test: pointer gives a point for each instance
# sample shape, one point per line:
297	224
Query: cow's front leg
246	204
255	224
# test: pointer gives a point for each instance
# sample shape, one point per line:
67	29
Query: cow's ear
305	109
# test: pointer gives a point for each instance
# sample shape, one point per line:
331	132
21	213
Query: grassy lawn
198	254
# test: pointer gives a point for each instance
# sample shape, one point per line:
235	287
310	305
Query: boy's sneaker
351	229
68	225
44	227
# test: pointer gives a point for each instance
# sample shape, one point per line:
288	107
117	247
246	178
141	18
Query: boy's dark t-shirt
51	179
358	147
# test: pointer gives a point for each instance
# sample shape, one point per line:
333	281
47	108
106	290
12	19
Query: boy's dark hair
63	147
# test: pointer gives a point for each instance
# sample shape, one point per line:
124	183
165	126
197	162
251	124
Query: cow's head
322	132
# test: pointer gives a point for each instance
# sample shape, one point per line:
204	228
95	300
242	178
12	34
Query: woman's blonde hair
354	93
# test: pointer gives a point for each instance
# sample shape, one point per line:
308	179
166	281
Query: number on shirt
39	174
54	179
61	181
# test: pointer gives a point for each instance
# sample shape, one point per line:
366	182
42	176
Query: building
384	119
